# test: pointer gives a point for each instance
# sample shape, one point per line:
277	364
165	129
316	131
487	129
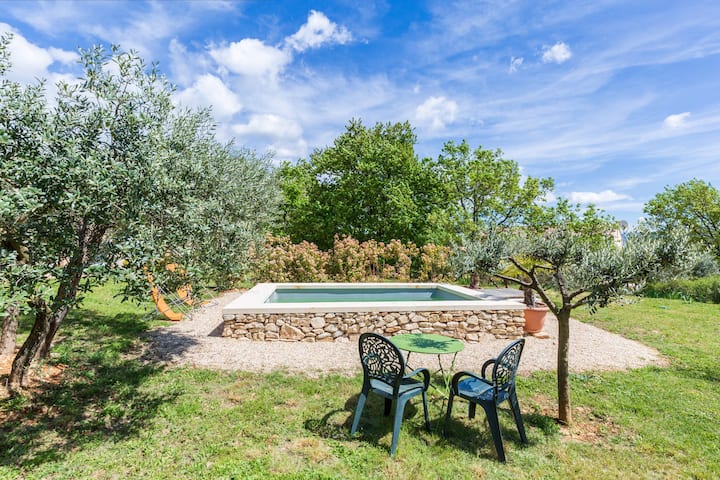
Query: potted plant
535	312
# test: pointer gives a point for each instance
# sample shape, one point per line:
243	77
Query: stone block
317	322
288	332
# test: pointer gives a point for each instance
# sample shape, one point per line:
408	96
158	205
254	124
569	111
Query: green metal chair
384	374
490	392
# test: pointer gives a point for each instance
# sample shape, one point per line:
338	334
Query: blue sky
613	99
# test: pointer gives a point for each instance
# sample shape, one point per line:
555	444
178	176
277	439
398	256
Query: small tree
571	253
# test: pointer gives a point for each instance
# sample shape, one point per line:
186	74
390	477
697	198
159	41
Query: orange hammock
181	298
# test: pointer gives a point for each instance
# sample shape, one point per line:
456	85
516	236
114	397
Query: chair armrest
425	373
487	364
460	375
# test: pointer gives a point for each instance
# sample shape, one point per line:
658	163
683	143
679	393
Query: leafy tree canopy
486	189
369	184
696	206
111	179
569	251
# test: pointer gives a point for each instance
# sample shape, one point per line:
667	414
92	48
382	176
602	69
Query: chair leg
399	409
448	414
425	406
492	416
515	408
471	410
388	406
358	412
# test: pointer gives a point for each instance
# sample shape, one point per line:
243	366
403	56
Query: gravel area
197	341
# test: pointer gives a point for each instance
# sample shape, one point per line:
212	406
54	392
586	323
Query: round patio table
432	344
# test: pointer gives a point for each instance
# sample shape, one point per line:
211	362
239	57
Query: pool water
375	294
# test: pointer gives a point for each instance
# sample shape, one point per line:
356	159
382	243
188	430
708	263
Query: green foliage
694	205
482	253
115	171
349	260
484	189
571	251
706	289
369	185
111	179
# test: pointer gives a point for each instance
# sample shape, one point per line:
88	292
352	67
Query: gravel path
197	341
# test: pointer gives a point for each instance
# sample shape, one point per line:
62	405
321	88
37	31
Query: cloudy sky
614	99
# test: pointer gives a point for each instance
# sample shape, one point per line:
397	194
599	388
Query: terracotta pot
535	319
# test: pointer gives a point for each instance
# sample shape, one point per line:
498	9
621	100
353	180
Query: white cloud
30	62
677	120
186	64
209	90
605	196
251	57
291	150
515	63
63	56
269	125
318	30
436	112
558	53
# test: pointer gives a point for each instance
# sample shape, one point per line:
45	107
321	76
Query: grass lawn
113	415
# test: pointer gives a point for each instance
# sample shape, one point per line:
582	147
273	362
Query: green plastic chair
490	392
384	374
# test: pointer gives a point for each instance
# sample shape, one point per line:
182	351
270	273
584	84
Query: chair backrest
380	358
506	366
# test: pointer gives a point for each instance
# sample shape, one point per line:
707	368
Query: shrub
434	264
706	289
349	261
282	261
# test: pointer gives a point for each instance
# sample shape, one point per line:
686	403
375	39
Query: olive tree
112	180
567	257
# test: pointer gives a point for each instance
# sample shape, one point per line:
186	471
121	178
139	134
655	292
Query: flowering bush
435	263
282	261
349	261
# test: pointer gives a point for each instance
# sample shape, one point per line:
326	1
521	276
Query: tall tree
696	206
369	184
570	252
486	189
114	180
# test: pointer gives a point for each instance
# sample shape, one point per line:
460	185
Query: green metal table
430	344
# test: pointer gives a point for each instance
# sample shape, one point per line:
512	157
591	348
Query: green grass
115	415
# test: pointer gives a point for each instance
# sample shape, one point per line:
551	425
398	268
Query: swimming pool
365	294
341	312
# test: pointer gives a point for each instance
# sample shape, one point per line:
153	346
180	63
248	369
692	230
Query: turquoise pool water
375	294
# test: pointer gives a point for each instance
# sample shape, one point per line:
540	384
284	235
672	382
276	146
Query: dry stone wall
468	326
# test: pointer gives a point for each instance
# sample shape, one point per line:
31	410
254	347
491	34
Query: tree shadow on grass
474	436
103	396
374	425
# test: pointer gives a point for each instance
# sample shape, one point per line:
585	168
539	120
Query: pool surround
251	317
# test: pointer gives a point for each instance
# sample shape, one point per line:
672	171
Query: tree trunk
8	337
563	367
474	280
29	349
89	240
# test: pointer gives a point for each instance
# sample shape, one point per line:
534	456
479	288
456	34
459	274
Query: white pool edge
253	301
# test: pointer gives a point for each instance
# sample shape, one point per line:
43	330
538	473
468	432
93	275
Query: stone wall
468	326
